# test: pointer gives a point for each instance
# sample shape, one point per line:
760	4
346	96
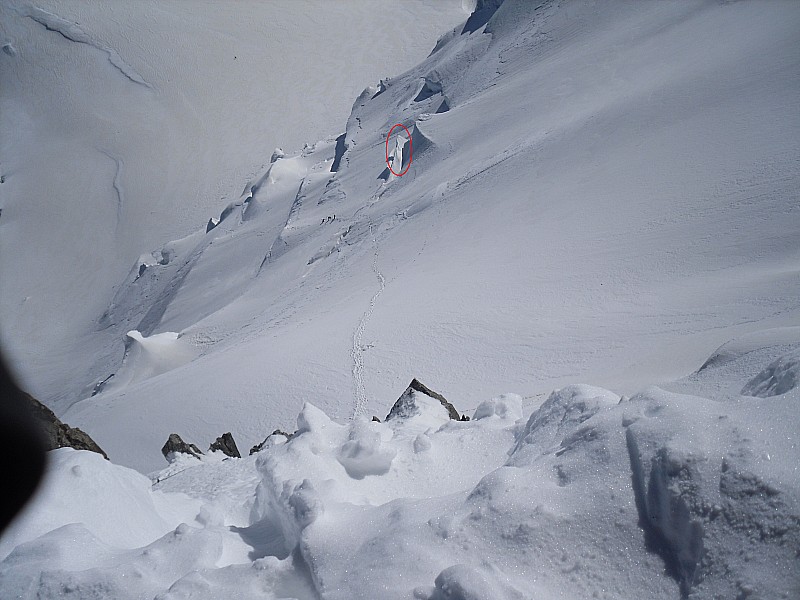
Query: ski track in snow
358	335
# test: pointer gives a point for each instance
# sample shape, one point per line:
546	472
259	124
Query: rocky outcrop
406	407
58	434
266	443
175	445
226	445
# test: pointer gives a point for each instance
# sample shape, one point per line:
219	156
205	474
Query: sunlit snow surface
127	123
610	195
599	192
592	496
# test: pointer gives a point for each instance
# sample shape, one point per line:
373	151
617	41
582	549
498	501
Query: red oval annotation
410	150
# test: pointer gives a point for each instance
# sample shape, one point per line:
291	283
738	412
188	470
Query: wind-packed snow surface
595	192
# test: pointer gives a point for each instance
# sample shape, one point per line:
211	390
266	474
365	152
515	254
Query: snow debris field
584	234
661	495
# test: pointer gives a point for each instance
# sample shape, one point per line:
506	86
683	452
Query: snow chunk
462	582
363	453
506	406
311	419
305	503
778	378
422	443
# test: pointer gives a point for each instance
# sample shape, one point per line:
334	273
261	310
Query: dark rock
341	148
58	434
260	447
226	445
376	419
464	418
100	385
405	407
23	459
175	445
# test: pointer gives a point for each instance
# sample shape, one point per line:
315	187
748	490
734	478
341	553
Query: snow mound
148	357
363	454
738	348
507	406
658	496
113	504
778	378
566	409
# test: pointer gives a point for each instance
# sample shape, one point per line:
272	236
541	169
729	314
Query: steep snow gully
598	192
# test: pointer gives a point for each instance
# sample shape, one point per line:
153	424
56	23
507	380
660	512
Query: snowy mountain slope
127	124
662	495
600	194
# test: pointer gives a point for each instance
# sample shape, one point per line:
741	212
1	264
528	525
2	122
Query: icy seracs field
601	193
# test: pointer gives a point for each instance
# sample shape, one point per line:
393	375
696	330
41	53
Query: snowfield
592	252
127	124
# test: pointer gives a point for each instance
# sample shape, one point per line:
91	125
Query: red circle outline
410	150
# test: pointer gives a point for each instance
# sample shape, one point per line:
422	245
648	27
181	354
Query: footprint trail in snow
358	336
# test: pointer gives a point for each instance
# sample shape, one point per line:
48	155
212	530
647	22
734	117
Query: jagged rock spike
415	385
226	444
175	444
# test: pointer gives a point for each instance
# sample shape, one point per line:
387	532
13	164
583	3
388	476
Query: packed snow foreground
662	495
605	143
